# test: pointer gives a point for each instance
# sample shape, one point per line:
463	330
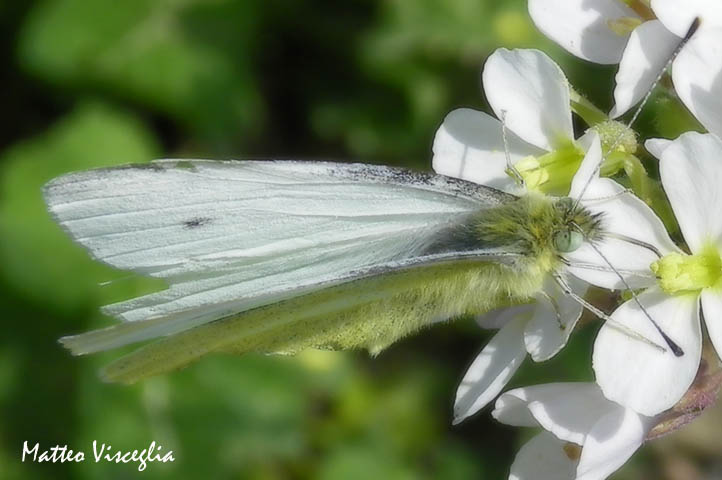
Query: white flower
574	415
530	91
631	372
533	328
640	38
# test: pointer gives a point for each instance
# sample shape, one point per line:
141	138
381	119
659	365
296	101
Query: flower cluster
643	387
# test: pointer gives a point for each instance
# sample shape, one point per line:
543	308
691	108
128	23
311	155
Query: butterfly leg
555	306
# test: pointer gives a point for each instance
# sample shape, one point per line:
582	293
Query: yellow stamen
552	172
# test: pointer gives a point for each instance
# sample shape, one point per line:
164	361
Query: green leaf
187	59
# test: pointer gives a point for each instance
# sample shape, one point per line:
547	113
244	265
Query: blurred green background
90	83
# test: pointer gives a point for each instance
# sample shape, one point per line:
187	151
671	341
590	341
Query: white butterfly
280	256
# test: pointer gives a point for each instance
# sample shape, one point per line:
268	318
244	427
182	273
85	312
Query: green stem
649	191
589	112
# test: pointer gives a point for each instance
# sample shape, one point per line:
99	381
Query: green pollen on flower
552	172
679	273
616	134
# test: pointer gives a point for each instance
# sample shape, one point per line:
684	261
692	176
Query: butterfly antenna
678	352
600	314
634	241
510	168
691	31
593	266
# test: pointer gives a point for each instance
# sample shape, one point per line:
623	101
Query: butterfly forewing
232	236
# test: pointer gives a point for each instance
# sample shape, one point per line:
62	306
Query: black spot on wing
196	222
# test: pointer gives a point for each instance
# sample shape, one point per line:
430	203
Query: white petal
696	74
582	26
691	171
496	319
656	146
533	93
637	375
678	15
623	215
543	458
512	408
491	370
712	310
543	335
587	170
469	145
648	50
610	443
568	410
570	415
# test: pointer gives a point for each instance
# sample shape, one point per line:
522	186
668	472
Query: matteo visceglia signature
101	453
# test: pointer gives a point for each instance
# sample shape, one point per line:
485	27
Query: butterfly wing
229	237
368	311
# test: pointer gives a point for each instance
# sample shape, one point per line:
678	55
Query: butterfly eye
566	241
